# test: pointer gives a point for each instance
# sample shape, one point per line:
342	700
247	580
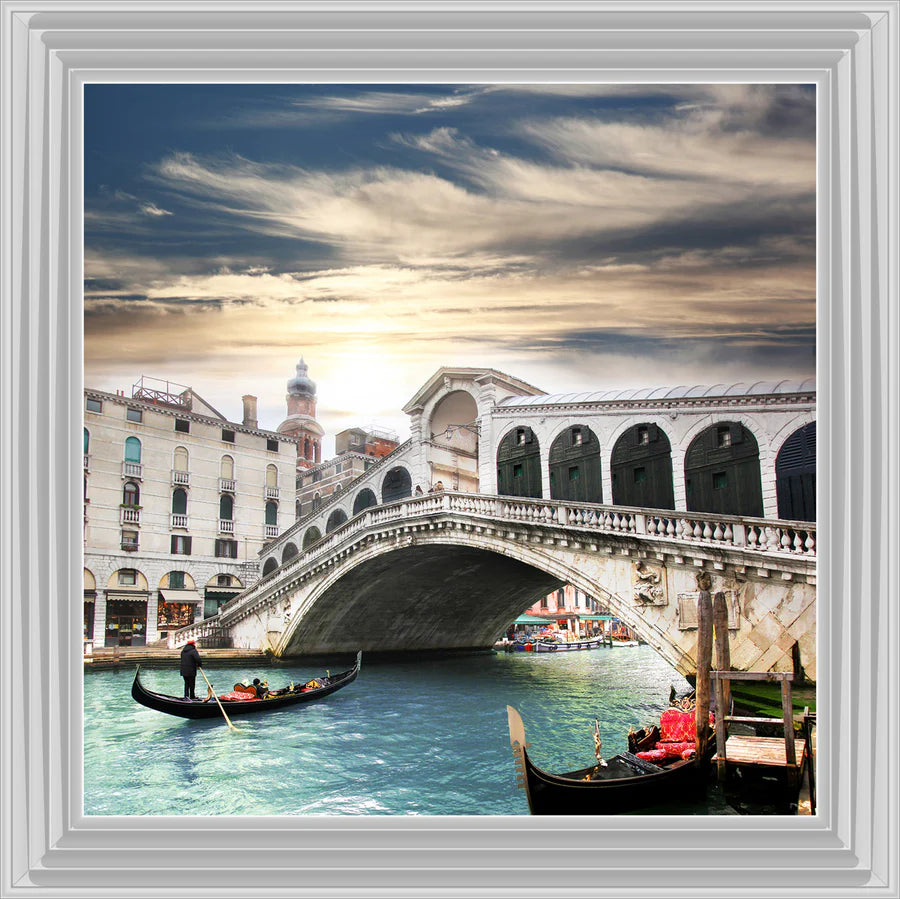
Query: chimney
250	412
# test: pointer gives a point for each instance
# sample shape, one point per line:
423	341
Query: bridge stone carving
450	570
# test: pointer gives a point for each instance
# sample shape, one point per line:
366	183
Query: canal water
424	736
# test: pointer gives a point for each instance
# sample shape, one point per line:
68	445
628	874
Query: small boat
548	646
234	704
623	783
621	643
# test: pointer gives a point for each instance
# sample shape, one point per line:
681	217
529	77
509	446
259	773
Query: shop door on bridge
641	469
519	464
721	472
575	466
795	475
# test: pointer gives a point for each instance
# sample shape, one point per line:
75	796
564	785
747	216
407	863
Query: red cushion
676	726
236	695
652	755
688	754
675	749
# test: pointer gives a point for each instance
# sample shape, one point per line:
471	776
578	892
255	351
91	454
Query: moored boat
652	772
572	646
238	702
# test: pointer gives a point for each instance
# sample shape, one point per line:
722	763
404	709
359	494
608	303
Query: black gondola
623	783
279	699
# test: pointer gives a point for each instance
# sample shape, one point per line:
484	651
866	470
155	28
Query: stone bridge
451	570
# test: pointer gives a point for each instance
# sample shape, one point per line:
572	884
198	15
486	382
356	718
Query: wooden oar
222	710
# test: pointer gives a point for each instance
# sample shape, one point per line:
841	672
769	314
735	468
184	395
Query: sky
578	237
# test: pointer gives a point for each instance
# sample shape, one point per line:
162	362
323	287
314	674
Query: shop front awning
595	618
217	590
169	595
530	619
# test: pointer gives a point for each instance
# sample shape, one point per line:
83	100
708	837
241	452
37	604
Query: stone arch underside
420	597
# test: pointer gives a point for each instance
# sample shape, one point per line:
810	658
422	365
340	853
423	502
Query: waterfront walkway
160	656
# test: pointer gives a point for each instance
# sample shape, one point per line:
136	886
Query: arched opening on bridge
641	468
270	566
575	469
453	439
313	535
364	499
290	550
721	471
335	520
397	485
795	475
519	464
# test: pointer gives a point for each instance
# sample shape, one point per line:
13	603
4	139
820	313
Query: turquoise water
417	737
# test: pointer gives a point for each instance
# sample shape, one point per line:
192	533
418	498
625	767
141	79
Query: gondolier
190	662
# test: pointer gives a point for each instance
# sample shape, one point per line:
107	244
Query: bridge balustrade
722	531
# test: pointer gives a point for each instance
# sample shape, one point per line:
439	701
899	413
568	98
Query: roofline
186	413
476	374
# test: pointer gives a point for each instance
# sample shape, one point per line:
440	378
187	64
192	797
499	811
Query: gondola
317	688
620	784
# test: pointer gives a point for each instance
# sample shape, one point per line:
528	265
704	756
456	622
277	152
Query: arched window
271	513
132	449
180	460
795	475
519	464
721	471
337	488
364	499
575	466
270	566
87	441
397	485
131	494
226	507
313	535
271	476
179	502
297	509
307	450
227	468
317	502
289	552
335	520
641	468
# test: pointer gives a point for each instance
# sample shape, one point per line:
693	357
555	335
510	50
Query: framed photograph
54	55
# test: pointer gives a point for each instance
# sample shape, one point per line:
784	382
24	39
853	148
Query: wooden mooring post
722	686
704	663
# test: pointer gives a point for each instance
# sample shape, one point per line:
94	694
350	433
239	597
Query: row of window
128	577
181	545
131	497
182	425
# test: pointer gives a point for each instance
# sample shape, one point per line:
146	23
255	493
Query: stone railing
771	537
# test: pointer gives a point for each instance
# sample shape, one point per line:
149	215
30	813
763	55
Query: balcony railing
271	530
130	515
132	470
181	478
226	526
87	462
130	546
271	492
179	521
226	485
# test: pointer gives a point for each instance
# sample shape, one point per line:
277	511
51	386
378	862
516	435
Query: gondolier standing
190	662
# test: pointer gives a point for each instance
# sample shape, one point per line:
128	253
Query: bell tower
301	419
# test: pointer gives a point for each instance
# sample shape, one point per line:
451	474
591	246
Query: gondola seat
677	732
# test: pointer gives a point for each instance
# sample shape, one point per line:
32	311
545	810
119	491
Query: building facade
178	504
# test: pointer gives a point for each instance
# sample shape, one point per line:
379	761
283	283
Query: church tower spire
301	419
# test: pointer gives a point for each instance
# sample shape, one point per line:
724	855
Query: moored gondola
572	646
653	772
318	688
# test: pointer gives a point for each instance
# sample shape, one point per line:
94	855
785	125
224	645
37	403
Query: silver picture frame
51	49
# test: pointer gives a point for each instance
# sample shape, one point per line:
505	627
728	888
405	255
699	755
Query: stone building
178	503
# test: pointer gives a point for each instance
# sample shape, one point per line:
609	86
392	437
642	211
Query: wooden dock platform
765	751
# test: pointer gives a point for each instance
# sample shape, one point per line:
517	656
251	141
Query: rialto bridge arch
450	571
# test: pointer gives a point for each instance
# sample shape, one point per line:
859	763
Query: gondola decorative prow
598	743
518	744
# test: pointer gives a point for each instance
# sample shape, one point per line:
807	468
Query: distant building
178	502
301	422
357	449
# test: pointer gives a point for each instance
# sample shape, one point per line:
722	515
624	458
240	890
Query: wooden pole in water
723	648
704	659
